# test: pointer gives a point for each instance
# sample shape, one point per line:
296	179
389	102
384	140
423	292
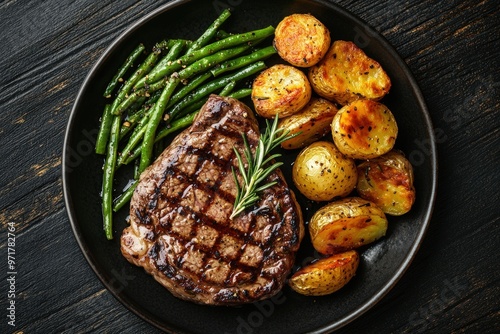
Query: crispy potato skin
387	181
301	40
321	172
310	124
282	90
364	129
346	224
347	74
326	275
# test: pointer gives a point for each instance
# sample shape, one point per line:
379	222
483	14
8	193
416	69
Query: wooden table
453	49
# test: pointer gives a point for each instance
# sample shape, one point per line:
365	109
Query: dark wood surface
453	49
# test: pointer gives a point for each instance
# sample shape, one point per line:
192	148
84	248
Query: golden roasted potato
326	275
364	129
387	181
322	173
346	74
280	90
302	40
346	224
310	124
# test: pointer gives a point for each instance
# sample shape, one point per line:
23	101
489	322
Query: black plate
382	264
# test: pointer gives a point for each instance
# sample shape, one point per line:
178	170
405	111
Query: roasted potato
326	275
301	40
310	124
346	224
346	74
280	90
364	129
322	173
387	181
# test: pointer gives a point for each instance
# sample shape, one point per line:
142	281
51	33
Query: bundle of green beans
164	94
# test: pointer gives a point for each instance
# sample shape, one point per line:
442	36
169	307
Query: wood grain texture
452	48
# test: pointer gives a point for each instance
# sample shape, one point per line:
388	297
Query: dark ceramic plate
382	264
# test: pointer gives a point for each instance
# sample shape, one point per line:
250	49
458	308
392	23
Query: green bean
107	182
236	63
174	52
125	197
143	69
173	43
128	101
209	49
210	32
132	119
131	122
174	126
228	88
104	129
239	94
133	157
123	69
153	88
137	174
152	98
128	126
209	61
192	84
125	103
135	139
135	107
213	86
125	89
177	125
154	121
135	111
221	34
195	68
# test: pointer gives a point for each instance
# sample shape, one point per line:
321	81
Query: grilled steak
180	230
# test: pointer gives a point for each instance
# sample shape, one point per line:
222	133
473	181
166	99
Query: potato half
310	124
364	129
347	74
280	90
302	40
326	275
346	224
387	181
322	173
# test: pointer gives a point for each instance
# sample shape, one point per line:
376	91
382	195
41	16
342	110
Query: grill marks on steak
180	230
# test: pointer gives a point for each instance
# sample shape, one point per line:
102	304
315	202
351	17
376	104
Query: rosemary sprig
258	166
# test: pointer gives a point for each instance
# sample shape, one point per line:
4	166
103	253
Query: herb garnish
259	167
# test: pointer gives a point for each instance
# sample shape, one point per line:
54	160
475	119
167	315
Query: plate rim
333	325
